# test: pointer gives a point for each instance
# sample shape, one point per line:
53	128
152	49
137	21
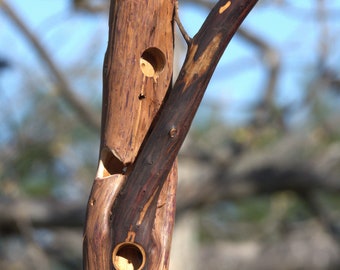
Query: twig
184	33
173	121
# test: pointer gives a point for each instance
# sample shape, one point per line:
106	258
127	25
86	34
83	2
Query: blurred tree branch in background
64	89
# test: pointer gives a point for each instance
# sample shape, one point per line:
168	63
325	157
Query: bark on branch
132	201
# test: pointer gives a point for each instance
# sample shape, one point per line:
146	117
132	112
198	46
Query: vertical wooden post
136	76
130	214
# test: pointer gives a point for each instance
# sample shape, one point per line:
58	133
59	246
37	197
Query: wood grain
144	124
137	73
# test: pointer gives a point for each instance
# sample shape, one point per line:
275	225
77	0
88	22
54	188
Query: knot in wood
173	132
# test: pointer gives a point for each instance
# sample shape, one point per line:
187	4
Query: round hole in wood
128	256
152	62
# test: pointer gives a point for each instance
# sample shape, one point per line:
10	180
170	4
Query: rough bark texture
141	33
173	121
134	222
137	74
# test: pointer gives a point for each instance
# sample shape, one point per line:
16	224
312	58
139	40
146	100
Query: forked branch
161	146
126	234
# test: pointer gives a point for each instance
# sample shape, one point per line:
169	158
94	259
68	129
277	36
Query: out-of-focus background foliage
259	174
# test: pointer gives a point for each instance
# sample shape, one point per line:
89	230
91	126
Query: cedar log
131	208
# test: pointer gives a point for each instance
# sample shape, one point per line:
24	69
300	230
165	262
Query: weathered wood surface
136	76
129	226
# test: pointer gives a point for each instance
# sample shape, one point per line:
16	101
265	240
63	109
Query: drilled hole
109	164
128	256
152	62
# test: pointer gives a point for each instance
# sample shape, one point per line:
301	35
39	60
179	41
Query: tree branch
184	33
169	130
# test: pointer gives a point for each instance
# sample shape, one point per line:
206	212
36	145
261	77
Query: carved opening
152	62
129	256
109	164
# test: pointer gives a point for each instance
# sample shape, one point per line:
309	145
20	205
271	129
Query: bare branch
64	89
184	33
266	109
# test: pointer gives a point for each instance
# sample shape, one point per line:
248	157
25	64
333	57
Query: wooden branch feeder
131	209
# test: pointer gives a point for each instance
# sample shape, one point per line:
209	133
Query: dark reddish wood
174	119
136	76
172	123
131	99
141	217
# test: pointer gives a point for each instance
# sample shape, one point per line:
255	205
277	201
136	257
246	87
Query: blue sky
238	80
295	35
